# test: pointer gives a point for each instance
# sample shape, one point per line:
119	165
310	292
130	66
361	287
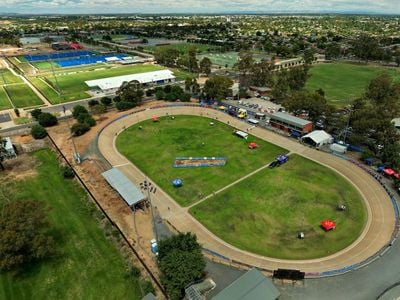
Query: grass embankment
88	266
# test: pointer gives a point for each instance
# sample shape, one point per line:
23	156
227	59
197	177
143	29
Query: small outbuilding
253	285
317	138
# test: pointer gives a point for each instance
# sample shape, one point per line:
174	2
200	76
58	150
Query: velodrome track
376	235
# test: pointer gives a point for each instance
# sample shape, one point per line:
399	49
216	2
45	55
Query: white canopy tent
317	138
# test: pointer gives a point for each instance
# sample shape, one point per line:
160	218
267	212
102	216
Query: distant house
253	285
262	90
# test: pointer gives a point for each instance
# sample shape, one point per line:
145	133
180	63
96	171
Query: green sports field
4	102
221	59
263	213
343	82
72	83
87	266
154	149
22	95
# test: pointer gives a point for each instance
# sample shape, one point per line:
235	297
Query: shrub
149	92
124	105
160	95
135	272
90	121
38	132
147	287
167	89
106	101
36	113
185	97
93	102
47	120
16	110
117	99
171	97
79	109
98	109
79	128
67	172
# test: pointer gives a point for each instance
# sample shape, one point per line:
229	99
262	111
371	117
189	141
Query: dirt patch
22	167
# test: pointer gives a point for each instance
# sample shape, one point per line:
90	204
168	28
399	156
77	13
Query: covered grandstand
128	191
111	84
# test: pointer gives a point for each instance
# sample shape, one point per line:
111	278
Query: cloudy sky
198	6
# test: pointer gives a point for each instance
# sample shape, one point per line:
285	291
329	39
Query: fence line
155	280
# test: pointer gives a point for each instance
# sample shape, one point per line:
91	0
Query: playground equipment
280	160
328	225
155	118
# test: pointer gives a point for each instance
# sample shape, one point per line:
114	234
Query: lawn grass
6	77
343	82
45	65
221	59
73	86
22	95
264	213
4	102
154	149
88	265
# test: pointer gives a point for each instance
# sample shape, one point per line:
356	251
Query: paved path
376	234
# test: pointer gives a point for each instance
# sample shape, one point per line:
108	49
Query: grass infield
263	213
154	149
343	82
88	265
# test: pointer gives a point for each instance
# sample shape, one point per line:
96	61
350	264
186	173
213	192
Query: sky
199	6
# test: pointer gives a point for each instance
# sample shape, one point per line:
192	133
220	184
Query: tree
218	87
332	51
166	56
385	94
160	94
38	132
205	66
24	234
313	103
192	59
181	263
93	102
262	73
79	109
47	119
131	92
308	56
98	109
245	66
35	113
79	128
124	105
365	47
105	101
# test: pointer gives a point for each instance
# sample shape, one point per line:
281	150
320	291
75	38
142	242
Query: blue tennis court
89	59
58	55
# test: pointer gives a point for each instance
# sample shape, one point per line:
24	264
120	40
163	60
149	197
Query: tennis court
58	55
90	59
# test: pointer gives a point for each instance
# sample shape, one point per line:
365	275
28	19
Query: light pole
148	187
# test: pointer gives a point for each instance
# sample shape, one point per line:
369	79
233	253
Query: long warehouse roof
117	81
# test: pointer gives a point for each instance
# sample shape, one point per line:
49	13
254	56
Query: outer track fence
155	280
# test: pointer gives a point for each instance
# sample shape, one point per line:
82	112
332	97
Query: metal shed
128	191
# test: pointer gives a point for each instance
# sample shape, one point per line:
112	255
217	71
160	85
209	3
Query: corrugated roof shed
251	286
128	191
287	118
117	81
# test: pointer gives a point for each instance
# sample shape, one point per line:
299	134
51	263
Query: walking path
229	185
376	234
